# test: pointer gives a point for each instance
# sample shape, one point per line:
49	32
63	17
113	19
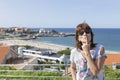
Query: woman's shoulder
98	45
74	50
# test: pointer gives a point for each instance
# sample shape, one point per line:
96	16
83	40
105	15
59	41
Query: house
2	33
112	58
7	54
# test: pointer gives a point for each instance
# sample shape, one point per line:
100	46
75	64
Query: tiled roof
3	51
112	58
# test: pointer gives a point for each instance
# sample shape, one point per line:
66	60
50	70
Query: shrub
66	51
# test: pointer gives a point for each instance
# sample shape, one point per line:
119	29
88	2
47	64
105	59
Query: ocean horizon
108	37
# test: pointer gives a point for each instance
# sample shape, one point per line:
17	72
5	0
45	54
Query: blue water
109	37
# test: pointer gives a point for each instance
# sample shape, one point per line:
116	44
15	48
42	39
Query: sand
54	47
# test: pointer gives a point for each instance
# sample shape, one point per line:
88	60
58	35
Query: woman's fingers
86	40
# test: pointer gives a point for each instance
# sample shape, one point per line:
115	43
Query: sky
59	13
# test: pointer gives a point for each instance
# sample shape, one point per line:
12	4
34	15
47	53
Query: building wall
8	58
32	61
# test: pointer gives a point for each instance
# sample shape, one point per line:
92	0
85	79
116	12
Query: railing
34	72
47	72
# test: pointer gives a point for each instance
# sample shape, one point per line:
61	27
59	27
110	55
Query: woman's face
84	36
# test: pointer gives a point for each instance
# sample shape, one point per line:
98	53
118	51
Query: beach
54	47
37	44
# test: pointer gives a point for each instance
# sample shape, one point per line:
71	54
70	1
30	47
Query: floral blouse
83	70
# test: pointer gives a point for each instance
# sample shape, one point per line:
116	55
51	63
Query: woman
87	58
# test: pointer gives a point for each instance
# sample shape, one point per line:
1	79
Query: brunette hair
79	28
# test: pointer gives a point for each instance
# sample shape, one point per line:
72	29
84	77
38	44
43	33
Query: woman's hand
86	46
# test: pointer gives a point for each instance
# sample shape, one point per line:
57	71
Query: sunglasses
86	31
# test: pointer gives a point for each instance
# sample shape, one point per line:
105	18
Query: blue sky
59	13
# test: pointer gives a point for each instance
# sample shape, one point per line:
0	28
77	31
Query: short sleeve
72	56
99	52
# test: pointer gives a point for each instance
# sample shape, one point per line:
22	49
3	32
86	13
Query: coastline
54	47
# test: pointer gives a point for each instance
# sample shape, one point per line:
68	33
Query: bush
66	51
6	68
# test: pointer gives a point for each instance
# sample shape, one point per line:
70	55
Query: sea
108	37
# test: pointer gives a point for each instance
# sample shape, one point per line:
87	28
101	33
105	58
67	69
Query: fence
34	72
46	72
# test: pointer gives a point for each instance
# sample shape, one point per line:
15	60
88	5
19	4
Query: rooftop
112	58
3	51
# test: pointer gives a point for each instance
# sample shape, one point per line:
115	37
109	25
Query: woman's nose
84	33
